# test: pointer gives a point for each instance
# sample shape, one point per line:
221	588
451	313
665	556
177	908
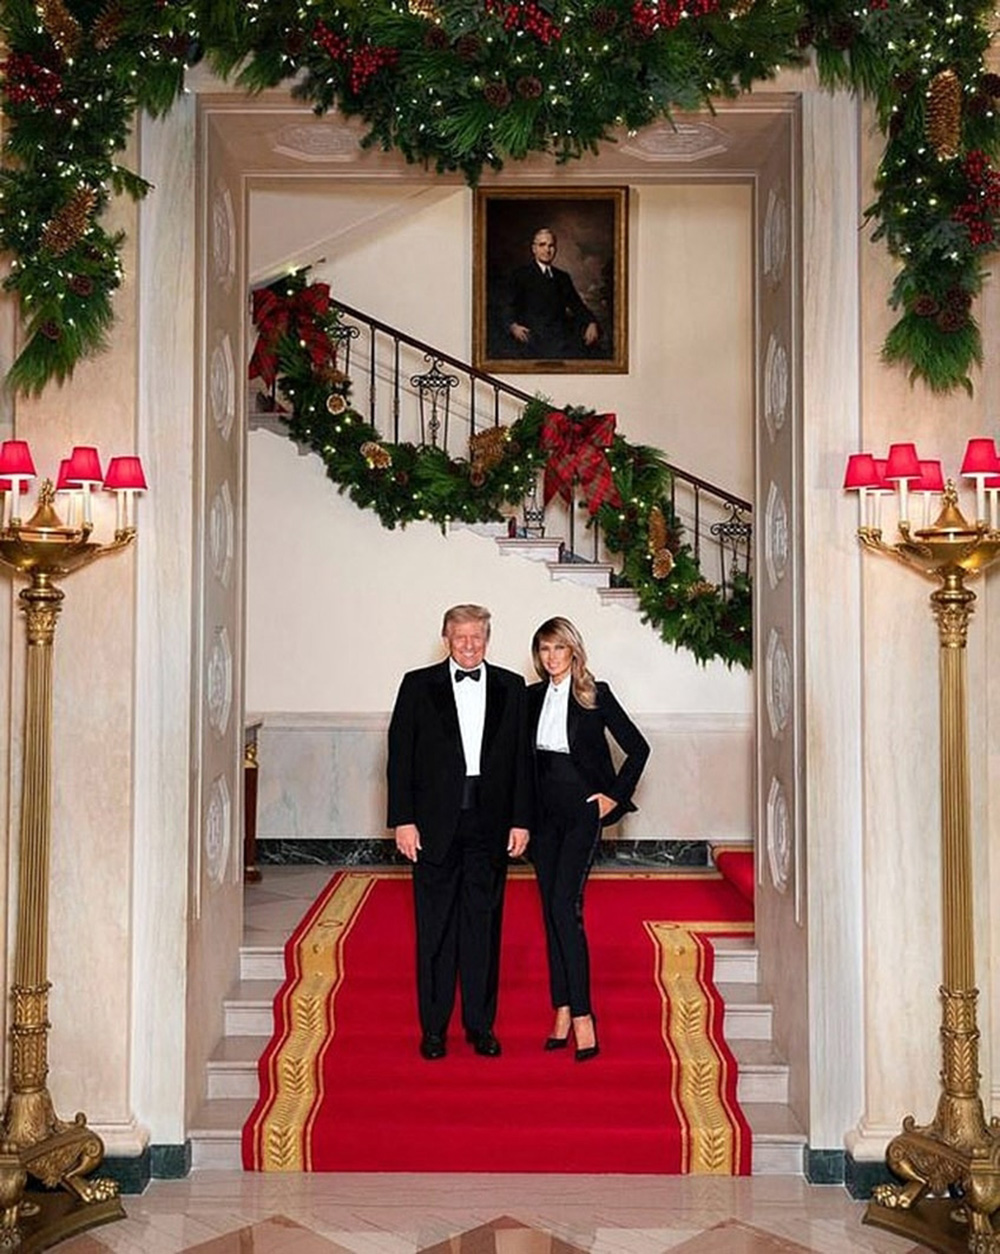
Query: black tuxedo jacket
426	767
587	731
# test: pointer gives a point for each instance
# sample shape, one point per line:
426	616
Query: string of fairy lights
467	85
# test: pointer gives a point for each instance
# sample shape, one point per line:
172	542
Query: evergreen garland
404	483
465	85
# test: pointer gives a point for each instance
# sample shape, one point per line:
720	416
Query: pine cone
943	124
108	26
60	25
657	530
69	223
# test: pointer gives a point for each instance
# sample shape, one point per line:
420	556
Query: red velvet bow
577	450
275	316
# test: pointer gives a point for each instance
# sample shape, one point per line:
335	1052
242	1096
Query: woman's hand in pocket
605	804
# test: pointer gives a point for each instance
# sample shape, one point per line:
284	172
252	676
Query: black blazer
588	745
426	766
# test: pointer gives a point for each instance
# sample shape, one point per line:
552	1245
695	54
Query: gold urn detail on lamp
948	1194
34	1141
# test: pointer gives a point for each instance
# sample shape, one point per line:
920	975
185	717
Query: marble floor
234	1213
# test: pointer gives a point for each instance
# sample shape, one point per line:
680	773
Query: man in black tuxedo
460	797
545	313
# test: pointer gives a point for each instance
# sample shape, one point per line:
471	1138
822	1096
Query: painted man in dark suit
460	797
545	314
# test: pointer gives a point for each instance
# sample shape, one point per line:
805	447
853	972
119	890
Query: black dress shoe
484	1043
556	1042
432	1046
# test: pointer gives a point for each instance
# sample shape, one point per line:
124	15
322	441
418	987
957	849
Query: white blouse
552	732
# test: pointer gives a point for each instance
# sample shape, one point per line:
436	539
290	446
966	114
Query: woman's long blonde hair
562	631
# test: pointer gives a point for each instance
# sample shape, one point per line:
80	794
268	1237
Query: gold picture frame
587	286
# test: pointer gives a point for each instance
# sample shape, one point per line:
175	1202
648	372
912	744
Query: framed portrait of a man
550	280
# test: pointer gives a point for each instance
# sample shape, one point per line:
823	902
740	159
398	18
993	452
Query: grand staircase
232	1086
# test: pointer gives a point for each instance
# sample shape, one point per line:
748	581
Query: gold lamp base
58	1217
938	1223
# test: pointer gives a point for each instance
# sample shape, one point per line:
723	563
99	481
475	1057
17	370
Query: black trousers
563	846
459	910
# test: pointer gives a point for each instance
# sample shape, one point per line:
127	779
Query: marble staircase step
214	1134
589	574
628	598
247	1011
735	959
748	1015
778	1142
232	1070
534	548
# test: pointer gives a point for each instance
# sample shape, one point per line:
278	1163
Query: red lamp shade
15	459
64	481
7	485
980	458
931	479
902	462
125	473
861	472
881	464
84	465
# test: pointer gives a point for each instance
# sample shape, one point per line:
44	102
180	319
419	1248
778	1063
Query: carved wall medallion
223	238
320	141
776	387
221	528
775	238
775	536
222	386
219	681
216	836
685	142
778	836
778	682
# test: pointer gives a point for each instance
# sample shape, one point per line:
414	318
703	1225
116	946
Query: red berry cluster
363	62
335	46
27	82
366	62
979	212
526	16
666	14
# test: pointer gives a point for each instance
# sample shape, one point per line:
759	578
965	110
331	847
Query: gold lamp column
34	1142
949	1195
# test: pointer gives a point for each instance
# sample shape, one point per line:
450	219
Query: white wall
338	606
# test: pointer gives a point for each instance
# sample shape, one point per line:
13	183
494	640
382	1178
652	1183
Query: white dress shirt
470	702
552	731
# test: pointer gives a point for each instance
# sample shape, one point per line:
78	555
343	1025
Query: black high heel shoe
589	1051
558	1042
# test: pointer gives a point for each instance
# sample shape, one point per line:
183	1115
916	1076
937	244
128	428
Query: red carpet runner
343	1087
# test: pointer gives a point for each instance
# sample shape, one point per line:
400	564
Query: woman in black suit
578	793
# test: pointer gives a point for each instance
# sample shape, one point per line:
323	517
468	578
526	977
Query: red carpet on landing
343	1087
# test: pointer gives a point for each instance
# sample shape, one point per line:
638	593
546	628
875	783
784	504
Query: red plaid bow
276	316
576	449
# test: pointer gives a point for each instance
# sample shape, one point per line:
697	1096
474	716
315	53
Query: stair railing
419	393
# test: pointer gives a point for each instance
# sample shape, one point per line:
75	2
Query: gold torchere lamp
34	1142
948	1197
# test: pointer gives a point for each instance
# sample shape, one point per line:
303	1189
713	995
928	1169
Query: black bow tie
460	675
